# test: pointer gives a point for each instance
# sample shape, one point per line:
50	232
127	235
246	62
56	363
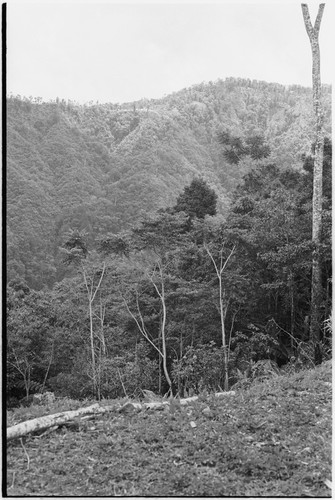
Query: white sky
118	52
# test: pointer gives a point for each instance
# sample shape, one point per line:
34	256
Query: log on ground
57	419
42	423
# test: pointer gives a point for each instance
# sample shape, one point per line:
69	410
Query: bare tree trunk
100	366
223	311
223	333
328	298
159	376
316	287
159	366
164	339
161	294
91	296
92	345
181	345
291	287
102	338
49	365
27	382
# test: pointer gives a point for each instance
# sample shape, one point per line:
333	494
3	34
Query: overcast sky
118	52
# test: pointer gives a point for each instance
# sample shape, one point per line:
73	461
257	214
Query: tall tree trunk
91	296
159	376
159	363
316	287
223	333
223	310
166	373
27	382
161	295
102	339
92	347
291	288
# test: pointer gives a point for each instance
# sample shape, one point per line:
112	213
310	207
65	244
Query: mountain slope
100	167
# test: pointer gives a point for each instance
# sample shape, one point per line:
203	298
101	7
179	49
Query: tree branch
227	260
307	19
312	31
212	259
142	330
319	17
100	280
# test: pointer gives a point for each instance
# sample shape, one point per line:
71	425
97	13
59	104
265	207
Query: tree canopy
197	200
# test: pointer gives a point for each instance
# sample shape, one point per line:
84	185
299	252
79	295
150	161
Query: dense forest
162	244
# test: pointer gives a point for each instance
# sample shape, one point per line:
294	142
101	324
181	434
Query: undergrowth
271	439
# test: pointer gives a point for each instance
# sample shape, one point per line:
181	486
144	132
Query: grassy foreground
273	439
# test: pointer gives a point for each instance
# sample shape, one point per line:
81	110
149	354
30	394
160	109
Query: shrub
116	376
127	375
201	368
247	349
71	385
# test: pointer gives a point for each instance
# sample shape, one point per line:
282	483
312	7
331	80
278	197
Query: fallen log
42	423
130	407
185	401
57	419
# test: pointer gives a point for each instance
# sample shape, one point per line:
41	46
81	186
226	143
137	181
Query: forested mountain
164	244
99	167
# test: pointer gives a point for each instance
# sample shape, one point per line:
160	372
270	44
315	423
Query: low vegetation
272	438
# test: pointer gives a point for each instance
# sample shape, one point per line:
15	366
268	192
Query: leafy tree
271	218
30	339
235	148
253	345
197	200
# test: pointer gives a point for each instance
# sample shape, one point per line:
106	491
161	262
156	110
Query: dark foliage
235	148
197	200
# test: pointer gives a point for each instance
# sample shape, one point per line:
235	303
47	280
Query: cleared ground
273	439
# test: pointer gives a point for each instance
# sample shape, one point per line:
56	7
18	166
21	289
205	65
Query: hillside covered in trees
163	244
101	167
